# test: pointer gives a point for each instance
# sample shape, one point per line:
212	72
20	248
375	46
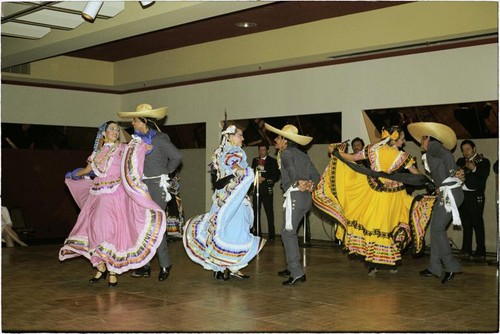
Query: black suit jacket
476	180
271	173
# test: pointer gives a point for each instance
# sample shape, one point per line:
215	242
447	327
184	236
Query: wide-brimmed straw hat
144	110
290	132
441	132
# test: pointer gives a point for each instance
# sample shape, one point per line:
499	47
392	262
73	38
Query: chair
19	225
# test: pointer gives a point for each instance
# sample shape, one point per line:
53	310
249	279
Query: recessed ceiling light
246	24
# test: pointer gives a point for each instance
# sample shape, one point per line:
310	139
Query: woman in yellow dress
377	217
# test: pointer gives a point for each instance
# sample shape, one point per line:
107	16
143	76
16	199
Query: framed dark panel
324	128
468	120
40	137
50	137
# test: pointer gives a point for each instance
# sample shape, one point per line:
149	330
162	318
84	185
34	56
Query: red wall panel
34	181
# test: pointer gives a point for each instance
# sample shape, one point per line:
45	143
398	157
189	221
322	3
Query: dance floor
41	294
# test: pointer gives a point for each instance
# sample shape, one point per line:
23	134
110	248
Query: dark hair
263	145
357	139
434	139
150	123
393	128
469	142
100	141
291	143
108	123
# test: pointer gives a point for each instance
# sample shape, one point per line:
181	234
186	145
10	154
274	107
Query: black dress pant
265	199
471	214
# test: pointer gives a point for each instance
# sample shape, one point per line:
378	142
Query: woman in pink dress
119	227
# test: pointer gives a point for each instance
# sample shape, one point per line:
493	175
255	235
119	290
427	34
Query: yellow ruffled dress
373	213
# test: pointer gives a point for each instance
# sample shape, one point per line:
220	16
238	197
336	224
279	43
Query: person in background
9	236
371	204
476	169
357	145
299	177
161	159
437	140
268	175
220	240
119	226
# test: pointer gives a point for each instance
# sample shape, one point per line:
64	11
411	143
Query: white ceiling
38	30
34	20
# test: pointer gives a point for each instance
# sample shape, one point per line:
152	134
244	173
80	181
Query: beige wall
308	43
36	105
193	182
450	76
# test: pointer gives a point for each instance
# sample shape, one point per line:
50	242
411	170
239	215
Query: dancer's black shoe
102	275
295	280
141	272
284	273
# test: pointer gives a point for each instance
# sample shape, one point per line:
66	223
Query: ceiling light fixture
246	24
90	11
145	4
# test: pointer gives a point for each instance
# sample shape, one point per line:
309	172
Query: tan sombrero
290	132
441	132
144	110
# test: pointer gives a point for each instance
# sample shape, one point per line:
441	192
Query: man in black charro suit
477	170
269	174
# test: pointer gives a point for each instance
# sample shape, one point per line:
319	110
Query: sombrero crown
144	110
441	132
290	132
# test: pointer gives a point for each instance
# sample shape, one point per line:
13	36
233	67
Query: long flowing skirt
377	218
123	228
221	238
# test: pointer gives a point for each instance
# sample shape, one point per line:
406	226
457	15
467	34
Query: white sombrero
144	110
290	132
441	132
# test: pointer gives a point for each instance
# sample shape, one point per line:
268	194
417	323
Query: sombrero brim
153	113
441	132
299	139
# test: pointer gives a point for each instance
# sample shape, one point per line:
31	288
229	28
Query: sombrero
144	110
441	132
290	132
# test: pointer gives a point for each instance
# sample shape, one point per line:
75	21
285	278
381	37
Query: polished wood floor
41	294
